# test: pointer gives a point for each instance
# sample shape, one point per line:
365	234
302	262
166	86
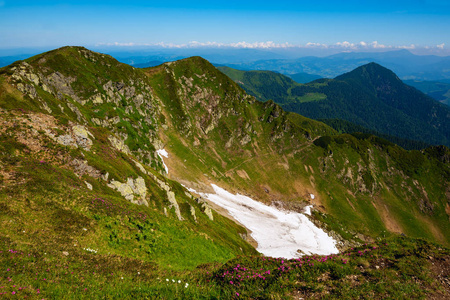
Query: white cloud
266	45
410	47
315	45
243	44
376	45
345	45
196	44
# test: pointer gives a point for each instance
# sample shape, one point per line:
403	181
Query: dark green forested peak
370	73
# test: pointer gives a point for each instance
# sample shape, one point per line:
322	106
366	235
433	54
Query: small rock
89	186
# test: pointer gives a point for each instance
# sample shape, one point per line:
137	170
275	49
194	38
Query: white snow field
278	233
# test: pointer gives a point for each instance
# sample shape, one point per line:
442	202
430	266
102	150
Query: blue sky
346	25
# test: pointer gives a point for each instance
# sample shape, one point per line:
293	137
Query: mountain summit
371	74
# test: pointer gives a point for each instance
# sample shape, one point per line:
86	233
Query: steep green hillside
264	85
268	85
435	89
83	191
343	126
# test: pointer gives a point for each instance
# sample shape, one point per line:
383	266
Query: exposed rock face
193	213
170	197
82	137
66	140
206	208
208	211
61	85
140	167
79	137
133	188
81	167
119	145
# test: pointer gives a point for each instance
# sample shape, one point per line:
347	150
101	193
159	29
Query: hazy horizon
328	27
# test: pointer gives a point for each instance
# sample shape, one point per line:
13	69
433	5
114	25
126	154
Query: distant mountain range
406	65
402	62
370	96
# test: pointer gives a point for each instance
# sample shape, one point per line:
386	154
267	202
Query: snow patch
312	196
278	233
161	153
307	210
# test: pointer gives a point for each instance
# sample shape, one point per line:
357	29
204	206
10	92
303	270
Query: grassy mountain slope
268	85
264	85
81	184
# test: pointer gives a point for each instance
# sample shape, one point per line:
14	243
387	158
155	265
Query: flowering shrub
256	276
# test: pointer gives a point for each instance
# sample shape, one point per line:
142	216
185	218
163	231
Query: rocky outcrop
170	197
81	167
119	145
78	137
206	209
193	213
134	190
